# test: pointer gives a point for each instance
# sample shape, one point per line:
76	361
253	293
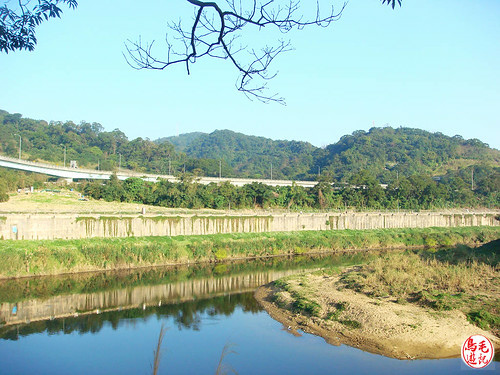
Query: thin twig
157	352
214	32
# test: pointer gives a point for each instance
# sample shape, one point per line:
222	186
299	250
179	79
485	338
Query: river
108	323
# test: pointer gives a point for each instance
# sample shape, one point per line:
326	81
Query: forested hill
87	143
181	141
385	153
250	155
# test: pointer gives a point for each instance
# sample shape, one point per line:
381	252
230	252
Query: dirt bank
376	325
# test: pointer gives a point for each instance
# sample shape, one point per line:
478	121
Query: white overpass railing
89	174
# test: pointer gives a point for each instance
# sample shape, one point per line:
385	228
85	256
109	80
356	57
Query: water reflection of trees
16	290
186	315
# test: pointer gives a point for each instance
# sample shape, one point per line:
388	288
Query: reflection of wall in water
60	306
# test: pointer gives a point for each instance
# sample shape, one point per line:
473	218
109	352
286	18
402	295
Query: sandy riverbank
402	331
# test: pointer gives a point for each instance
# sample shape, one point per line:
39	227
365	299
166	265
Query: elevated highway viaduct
89	174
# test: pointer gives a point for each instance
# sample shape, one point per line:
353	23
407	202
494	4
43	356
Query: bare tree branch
217	28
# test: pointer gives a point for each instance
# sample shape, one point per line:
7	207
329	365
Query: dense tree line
12	180
87	143
386	152
362	192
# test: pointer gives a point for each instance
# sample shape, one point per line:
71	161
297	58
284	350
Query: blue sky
433	65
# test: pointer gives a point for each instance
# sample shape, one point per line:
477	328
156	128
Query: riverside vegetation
32	258
461	279
465	279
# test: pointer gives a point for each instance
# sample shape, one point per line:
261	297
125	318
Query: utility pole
98	162
271	171
220	169
472	179
169	165
319	170
120	162
19	145
64	155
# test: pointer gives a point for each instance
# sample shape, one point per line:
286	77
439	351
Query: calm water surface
109	324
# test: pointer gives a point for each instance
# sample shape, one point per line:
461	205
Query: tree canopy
18	24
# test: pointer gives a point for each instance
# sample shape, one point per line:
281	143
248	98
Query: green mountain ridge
404	151
386	153
254	156
181	141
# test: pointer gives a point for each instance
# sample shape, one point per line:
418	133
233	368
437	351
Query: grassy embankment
462	278
32	258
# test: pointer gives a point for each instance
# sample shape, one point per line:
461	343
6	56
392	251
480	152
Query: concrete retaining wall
62	226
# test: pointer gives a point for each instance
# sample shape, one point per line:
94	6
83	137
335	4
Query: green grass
337	311
32	258
301	301
335	314
462	278
351	323
484	319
